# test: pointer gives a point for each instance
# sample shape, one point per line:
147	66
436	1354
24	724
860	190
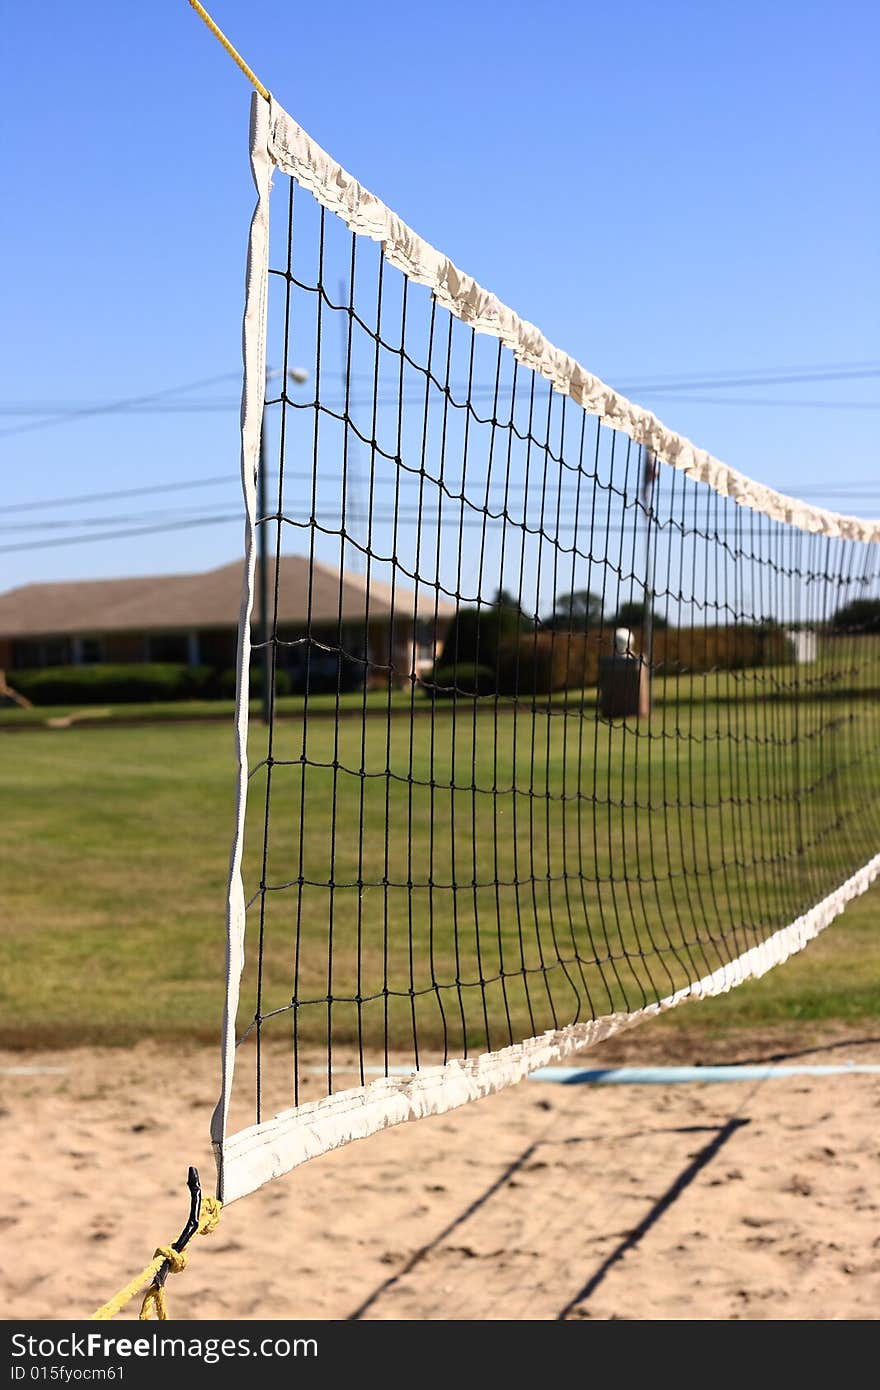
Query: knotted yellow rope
209	1216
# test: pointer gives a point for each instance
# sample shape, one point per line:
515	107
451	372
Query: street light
298	375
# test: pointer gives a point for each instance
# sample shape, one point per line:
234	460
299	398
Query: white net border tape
295	153
252	401
254	1156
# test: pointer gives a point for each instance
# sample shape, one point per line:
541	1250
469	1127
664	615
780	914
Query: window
90	651
50	651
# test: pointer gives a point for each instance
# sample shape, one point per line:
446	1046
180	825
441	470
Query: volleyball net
547	720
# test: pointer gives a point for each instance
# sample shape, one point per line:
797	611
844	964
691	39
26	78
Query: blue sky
668	192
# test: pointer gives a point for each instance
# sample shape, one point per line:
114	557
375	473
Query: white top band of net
297	154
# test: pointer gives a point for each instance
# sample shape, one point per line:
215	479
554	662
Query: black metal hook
189	1230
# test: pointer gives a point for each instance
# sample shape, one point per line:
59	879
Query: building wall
173	647
218	649
403	650
124	646
379	655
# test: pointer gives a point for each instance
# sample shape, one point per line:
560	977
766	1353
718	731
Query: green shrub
113	684
464	679
476	634
541	662
859	615
283	682
731	648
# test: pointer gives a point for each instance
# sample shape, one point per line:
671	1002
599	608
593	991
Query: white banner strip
256	1155
295	153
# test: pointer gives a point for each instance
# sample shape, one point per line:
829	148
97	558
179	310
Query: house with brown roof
377	629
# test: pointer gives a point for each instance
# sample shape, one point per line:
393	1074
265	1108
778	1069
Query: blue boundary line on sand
654	1076
677	1076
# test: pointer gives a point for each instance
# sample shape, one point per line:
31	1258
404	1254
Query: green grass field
115	844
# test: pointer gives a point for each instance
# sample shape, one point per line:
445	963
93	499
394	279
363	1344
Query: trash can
624	690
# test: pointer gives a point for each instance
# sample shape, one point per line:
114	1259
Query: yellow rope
236	57
155	1296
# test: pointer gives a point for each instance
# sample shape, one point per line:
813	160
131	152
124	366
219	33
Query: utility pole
351	491
649	480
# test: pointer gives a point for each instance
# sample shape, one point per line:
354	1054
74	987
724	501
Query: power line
763	373
327	521
122	492
418	400
110	407
776	402
855	489
156	402
70	409
227	406
780	379
119	535
161	514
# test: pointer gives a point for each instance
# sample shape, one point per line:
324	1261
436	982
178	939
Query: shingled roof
187	602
